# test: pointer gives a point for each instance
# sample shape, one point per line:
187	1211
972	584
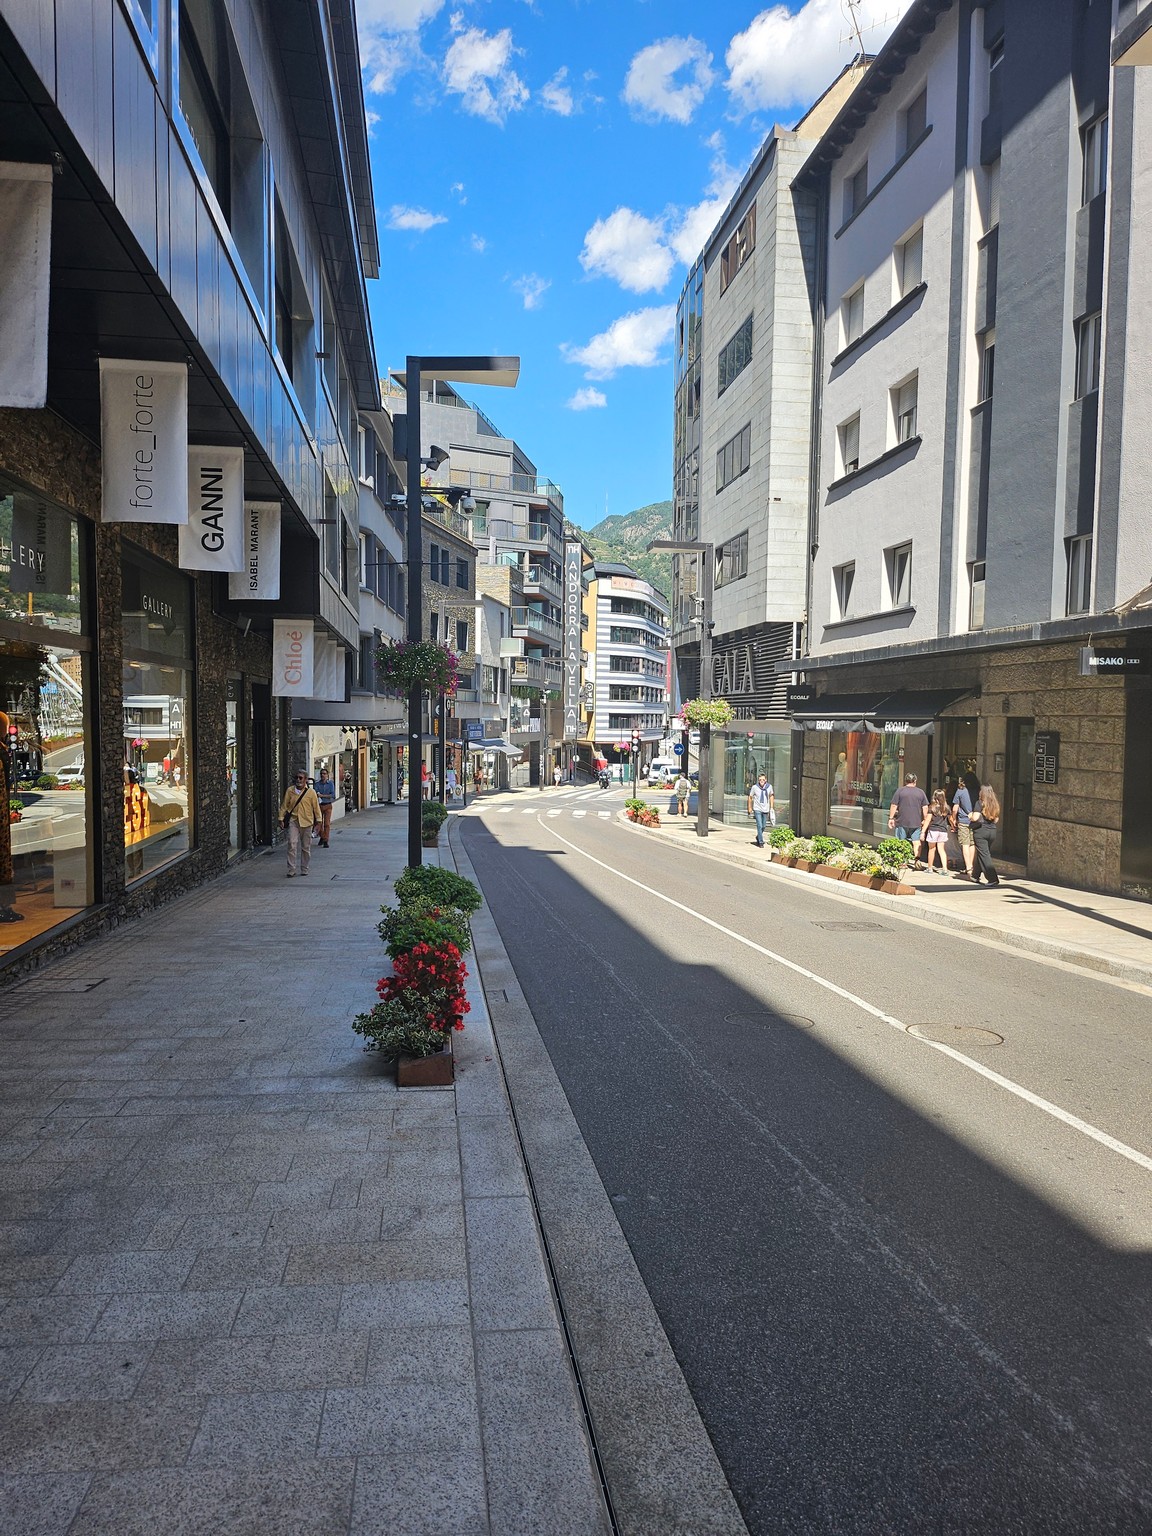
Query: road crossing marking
555	813
604	815
1020	1092
579	813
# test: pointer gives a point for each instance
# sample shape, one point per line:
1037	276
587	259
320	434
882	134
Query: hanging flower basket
700	712
407	664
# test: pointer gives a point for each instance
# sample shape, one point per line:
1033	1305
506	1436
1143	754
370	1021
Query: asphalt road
906	1296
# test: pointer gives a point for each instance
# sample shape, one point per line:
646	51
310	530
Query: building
177	498
742	454
627	664
981	548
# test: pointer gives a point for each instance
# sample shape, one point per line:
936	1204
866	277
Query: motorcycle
603	779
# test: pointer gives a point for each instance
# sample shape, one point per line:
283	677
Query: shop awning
838	711
913	711
495	744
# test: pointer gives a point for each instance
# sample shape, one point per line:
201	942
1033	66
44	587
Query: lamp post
503	371
705	552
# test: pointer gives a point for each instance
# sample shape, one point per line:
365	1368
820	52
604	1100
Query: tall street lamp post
503	371
705	553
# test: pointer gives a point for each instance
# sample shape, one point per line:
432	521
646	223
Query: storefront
745	756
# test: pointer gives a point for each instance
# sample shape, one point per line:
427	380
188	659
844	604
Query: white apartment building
627	664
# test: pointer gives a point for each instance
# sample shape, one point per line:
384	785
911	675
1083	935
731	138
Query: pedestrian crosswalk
535	810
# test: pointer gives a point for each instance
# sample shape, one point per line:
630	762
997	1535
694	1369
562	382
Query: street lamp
706	552
502	371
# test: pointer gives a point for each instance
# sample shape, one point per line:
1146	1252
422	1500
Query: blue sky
546	170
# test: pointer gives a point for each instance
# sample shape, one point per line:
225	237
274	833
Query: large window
843	581
914	121
848	439
295	339
898	575
739	248
157	714
735	356
910	262
732	560
855	191
734	458
47	768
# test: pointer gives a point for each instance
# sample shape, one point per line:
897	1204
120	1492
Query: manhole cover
856	927
956	1034
796	1020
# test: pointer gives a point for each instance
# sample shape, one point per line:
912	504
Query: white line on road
1006	1083
579	813
604	815
554	813
530	811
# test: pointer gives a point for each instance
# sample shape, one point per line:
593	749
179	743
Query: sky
546	171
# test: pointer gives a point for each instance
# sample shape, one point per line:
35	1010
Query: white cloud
633	341
786	59
695	224
477	68
478	243
418	219
653	88
532	288
587	399
385	59
630	248
557	94
457	191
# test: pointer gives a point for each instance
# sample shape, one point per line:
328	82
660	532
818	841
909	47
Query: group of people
973	817
306	814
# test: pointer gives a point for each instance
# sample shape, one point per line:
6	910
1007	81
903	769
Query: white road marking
1006	1083
503	810
604	815
530	811
579	813
554	813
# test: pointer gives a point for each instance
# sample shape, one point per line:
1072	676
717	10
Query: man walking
762	805
299	813
326	794
906	814
682	789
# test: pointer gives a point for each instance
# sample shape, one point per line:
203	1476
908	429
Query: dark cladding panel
33	24
183	196
85	83
134	124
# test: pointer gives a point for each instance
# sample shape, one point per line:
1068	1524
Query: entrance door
1018	788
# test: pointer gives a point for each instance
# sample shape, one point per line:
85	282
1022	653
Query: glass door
1018	788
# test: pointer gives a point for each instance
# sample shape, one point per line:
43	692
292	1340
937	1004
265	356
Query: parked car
71	776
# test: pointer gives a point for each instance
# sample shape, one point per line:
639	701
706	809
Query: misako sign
1113	661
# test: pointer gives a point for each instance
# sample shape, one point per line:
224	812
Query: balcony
435	512
481	480
537	579
530	625
536	671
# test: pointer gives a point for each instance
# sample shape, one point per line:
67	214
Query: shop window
865	769
1087	355
47	777
852	314
848	436
905	400
1094	144
1079	589
232	763
910	263
898	575
157	682
843	581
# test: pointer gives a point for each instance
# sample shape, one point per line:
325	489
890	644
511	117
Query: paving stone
506	1265
404	1303
15	1364
352	1263
50	1319
79	1437
108	1273
490	1157
274	1364
76	1373
181	1315
421	1494
239	1230
437	1355
342	1226
40	1506
237	1267
383	1419
289	1309
252	1428
293	1194
31	1275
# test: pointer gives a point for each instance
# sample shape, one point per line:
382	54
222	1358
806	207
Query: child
935	829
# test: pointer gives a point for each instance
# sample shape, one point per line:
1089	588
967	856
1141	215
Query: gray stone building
187	348
979	532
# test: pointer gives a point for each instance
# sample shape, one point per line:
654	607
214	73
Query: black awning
913	711
838	711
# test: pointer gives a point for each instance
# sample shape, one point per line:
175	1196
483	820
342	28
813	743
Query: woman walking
934	830
985	821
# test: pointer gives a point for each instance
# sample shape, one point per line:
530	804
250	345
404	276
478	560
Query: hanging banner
292	658
328	673
259	577
25	247
573	606
144	441
41	547
213	537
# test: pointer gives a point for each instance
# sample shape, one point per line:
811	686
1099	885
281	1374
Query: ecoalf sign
292	655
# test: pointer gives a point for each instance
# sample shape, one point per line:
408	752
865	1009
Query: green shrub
443	887
823	848
47	781
861	859
800	848
780	837
895	852
422	922
400	1026
433	814
15	805
635	805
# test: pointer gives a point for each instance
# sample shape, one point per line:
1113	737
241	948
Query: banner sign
25	247
144	441
573	596
292	658
1111	661
213	537
259	578
327	670
41	547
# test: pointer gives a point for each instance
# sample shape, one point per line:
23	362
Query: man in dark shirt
906	813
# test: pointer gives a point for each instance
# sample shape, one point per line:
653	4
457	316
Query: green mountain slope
622	538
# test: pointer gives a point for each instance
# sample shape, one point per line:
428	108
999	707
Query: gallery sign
292	652
144	441
213	537
259	577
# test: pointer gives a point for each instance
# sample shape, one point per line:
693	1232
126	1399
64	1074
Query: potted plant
780	840
424	664
433	815
643	813
421	1003
444	887
861	862
422	921
800	852
895	854
825	849
15	809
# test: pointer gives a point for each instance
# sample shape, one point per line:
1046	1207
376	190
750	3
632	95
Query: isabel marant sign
258	580
41	547
144	441
573	592
292	653
213	537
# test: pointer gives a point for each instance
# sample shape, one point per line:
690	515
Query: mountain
624	536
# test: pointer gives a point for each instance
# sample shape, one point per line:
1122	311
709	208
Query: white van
663	770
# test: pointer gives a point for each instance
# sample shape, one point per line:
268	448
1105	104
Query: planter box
783	858
897	888
830	872
426	1071
861	877
809	866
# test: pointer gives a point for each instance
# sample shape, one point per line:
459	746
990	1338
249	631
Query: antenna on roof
857	29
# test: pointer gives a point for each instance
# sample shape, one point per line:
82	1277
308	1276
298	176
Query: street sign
678	747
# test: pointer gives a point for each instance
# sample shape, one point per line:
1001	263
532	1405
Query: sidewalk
1108	934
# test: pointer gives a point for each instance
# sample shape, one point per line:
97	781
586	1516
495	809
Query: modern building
981	547
627	664
177	492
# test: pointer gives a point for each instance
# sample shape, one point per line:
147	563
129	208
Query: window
1079	591
1094	139
461	636
732	560
992	192
976	595
366	673
848	434
852	314
856	191
898	571
738	249
914	120
461	572
904	401
733	459
735	356
292	316
843	580
366	560
1088	355
986	346
439	562
910	263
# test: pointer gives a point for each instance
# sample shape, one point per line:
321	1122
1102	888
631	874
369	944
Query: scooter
603	778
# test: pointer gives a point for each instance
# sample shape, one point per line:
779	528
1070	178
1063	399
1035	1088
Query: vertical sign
292	658
259	579
213	537
144	441
573	594
1046	762
25	247
41	547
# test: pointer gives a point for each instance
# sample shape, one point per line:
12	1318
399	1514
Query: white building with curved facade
627	658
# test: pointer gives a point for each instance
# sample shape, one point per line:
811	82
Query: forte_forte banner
292	654
144	441
213	537
258	579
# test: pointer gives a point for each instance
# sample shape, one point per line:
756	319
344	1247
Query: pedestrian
934	830
906	814
425	790
326	794
762	805
450	782
557	775
964	802
477	778
299	813
985	822
682	789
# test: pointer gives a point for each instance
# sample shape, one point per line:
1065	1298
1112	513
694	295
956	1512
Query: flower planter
830	872
426	1071
897	888
809	866
430	840
860	877
785	859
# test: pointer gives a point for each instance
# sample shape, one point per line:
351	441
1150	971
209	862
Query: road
907	1295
